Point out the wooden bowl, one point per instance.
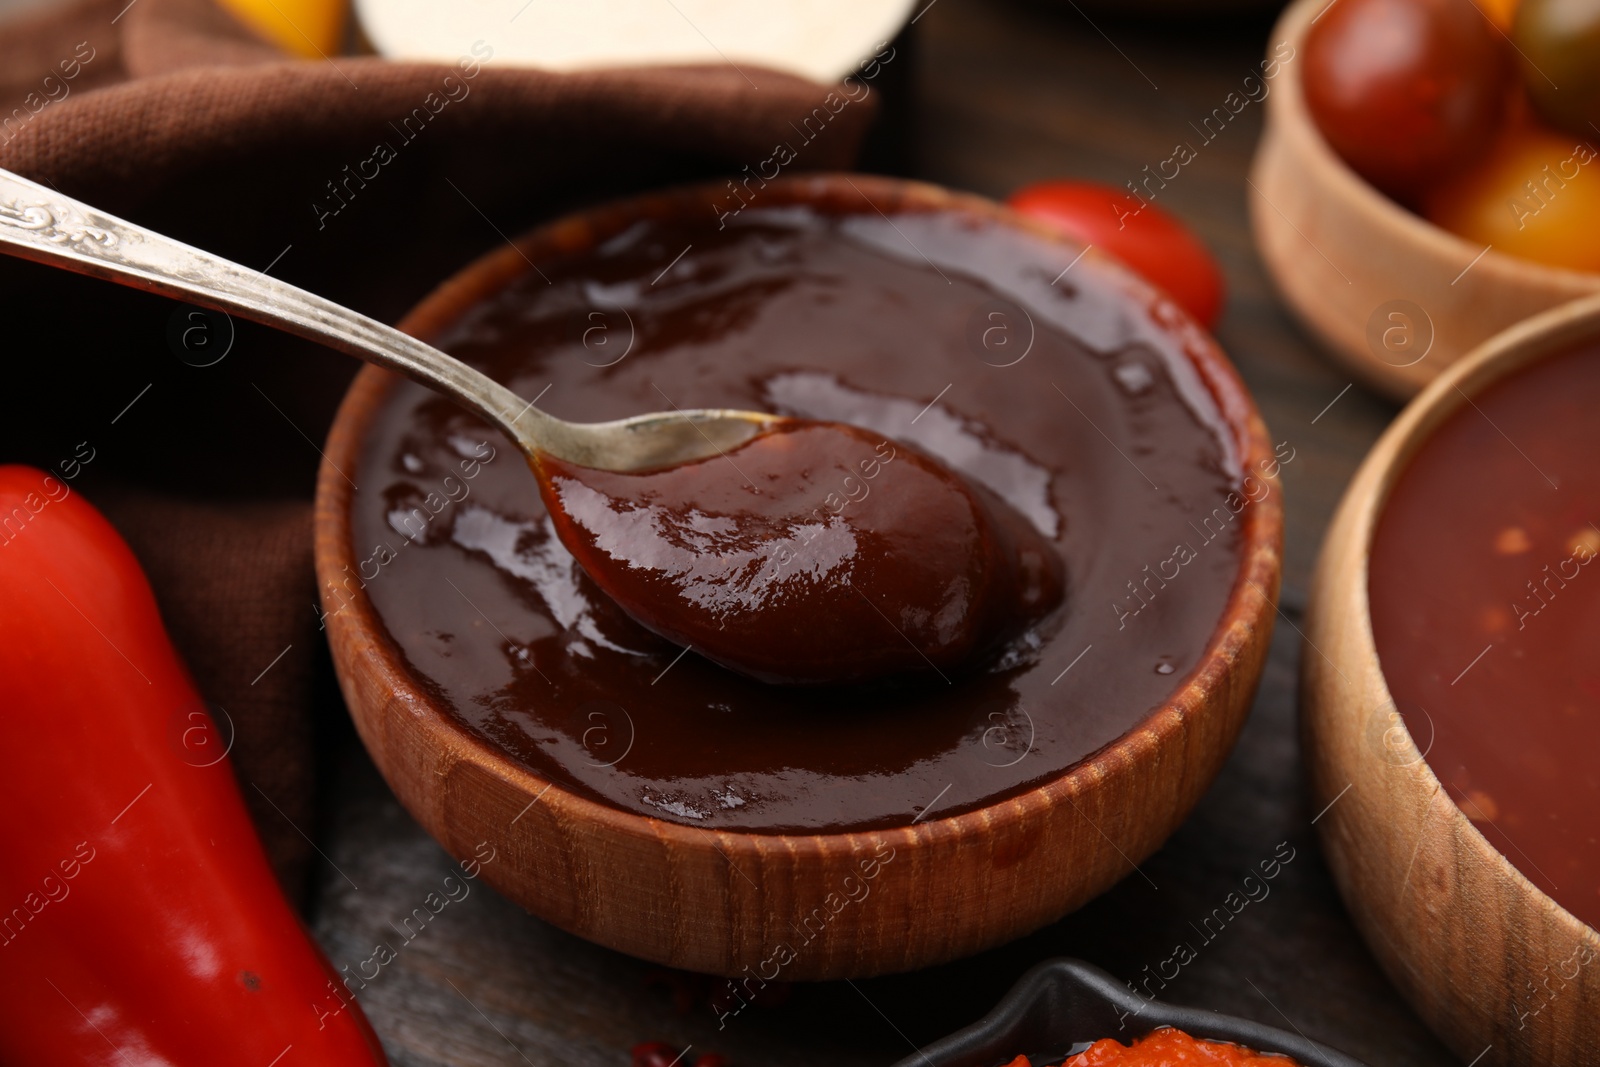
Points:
(721, 902)
(1478, 949)
(1346, 258)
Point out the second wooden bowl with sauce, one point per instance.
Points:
(1449, 685)
(634, 857)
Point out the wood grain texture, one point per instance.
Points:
(737, 903)
(1339, 250)
(1494, 965)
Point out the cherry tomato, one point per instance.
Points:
(1406, 91)
(1146, 238)
(1536, 195)
(313, 29)
(1560, 45)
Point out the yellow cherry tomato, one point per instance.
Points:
(310, 28)
(1535, 195)
(1501, 12)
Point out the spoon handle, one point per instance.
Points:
(41, 224)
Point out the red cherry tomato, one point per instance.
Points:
(1155, 244)
(1406, 91)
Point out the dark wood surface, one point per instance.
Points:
(1005, 93)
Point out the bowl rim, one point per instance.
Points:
(1052, 989)
(1528, 342)
(1251, 602)
(1292, 115)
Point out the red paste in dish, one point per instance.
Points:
(1167, 1047)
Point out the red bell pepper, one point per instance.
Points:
(140, 922)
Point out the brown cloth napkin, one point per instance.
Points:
(170, 113)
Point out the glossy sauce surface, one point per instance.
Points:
(778, 559)
(1059, 394)
(1486, 611)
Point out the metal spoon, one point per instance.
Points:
(42, 225)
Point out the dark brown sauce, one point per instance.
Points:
(815, 554)
(1486, 612)
(1092, 426)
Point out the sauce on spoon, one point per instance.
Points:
(815, 554)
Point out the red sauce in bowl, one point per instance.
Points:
(1485, 608)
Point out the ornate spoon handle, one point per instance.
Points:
(41, 224)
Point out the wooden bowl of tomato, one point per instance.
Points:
(1447, 695)
(1414, 193)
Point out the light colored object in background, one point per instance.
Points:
(818, 39)
(1393, 296)
(1485, 956)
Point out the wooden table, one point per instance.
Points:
(1004, 94)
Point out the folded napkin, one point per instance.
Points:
(363, 180)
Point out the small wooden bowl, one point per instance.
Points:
(1478, 949)
(1345, 256)
(724, 902)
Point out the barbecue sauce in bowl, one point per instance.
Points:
(1096, 518)
(1485, 608)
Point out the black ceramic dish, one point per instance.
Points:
(1062, 1006)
